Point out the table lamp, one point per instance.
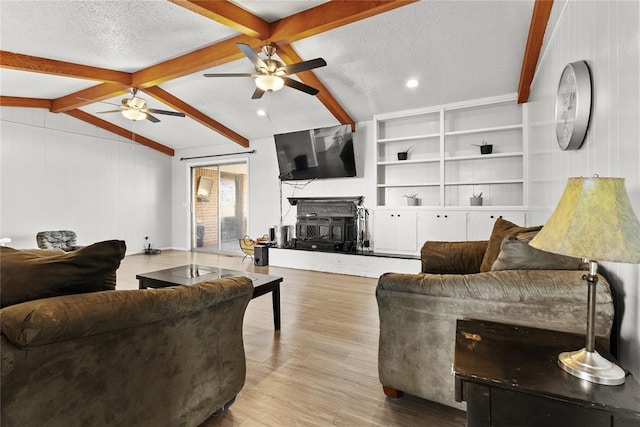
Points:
(594, 220)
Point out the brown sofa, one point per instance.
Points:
(171, 356)
(502, 280)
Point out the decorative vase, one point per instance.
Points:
(475, 201)
(413, 201)
(486, 149)
(403, 155)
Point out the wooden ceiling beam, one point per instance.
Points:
(88, 96)
(290, 56)
(168, 99)
(328, 16)
(125, 133)
(15, 101)
(17, 61)
(230, 15)
(539, 21)
(304, 24)
(199, 60)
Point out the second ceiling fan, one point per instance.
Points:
(272, 74)
(135, 108)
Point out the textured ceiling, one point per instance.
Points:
(457, 50)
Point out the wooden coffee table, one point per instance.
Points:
(192, 274)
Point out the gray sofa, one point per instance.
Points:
(171, 356)
(418, 312)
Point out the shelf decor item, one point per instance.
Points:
(403, 155)
(573, 105)
(476, 200)
(485, 148)
(594, 220)
(412, 200)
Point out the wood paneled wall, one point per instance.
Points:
(605, 34)
(60, 173)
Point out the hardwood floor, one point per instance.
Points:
(320, 369)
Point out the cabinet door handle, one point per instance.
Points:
(392, 215)
(437, 216)
(446, 216)
(491, 216)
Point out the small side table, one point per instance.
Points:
(509, 377)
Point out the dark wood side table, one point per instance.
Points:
(509, 377)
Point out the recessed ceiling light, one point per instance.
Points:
(412, 83)
(261, 113)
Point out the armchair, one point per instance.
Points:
(502, 280)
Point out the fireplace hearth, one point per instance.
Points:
(327, 224)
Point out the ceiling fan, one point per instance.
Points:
(271, 73)
(135, 108)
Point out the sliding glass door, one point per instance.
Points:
(220, 207)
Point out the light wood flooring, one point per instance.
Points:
(320, 369)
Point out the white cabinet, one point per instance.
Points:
(394, 231)
(448, 226)
(481, 222)
(444, 166)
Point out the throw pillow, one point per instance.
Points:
(452, 257)
(516, 254)
(501, 229)
(30, 274)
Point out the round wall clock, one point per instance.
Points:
(573, 105)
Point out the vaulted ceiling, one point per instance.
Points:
(76, 57)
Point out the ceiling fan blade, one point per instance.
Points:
(300, 86)
(253, 57)
(109, 111)
(257, 94)
(304, 66)
(232, 75)
(168, 113)
(152, 119)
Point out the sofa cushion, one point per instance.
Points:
(33, 274)
(452, 257)
(501, 229)
(516, 254)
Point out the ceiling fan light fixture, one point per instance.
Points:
(134, 114)
(269, 83)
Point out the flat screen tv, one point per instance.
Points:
(316, 153)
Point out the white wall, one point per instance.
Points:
(264, 186)
(607, 36)
(58, 172)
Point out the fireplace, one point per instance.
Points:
(328, 224)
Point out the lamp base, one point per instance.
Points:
(590, 366)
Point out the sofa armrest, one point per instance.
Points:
(453, 257)
(48, 320)
(513, 288)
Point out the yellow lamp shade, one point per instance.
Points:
(594, 219)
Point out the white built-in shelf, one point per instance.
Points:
(434, 171)
(410, 184)
(411, 161)
(484, 156)
(483, 130)
(485, 182)
(408, 138)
